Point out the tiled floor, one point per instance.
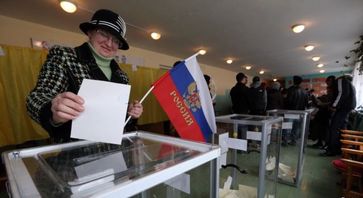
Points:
(319, 177)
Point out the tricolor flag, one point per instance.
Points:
(184, 95)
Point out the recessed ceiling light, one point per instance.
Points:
(202, 52)
(155, 35)
(262, 72)
(229, 61)
(309, 47)
(322, 71)
(320, 65)
(315, 58)
(275, 79)
(68, 6)
(37, 43)
(248, 67)
(298, 28)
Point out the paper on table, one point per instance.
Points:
(105, 110)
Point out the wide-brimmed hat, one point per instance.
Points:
(109, 21)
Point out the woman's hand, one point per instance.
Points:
(66, 106)
(135, 109)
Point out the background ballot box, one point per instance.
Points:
(144, 165)
(295, 128)
(253, 153)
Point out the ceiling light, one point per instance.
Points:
(202, 52)
(275, 79)
(298, 28)
(315, 58)
(309, 47)
(248, 67)
(229, 61)
(262, 72)
(155, 36)
(68, 6)
(37, 43)
(322, 71)
(320, 65)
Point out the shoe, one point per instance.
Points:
(292, 143)
(328, 154)
(317, 145)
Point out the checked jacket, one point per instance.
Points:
(64, 70)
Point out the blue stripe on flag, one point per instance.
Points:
(182, 79)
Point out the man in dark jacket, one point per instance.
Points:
(257, 97)
(344, 103)
(274, 97)
(296, 99)
(239, 95)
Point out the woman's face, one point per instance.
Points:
(104, 43)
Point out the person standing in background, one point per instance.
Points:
(343, 103)
(296, 99)
(239, 95)
(257, 97)
(212, 88)
(274, 97)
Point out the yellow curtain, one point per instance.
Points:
(141, 79)
(19, 69)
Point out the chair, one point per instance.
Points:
(352, 156)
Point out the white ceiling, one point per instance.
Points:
(255, 32)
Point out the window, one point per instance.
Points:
(358, 84)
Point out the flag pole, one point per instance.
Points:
(192, 56)
(142, 100)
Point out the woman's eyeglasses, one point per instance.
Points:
(108, 36)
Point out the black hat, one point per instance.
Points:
(109, 21)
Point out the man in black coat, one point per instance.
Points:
(296, 99)
(344, 103)
(257, 97)
(239, 95)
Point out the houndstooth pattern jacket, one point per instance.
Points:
(64, 70)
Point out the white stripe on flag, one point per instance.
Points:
(205, 98)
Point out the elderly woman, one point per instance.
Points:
(53, 103)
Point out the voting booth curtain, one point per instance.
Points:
(19, 69)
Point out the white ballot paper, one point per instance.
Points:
(105, 106)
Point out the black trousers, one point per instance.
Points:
(338, 121)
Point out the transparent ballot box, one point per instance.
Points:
(253, 153)
(145, 165)
(294, 138)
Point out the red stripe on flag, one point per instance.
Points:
(179, 114)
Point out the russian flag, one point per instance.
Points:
(184, 95)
